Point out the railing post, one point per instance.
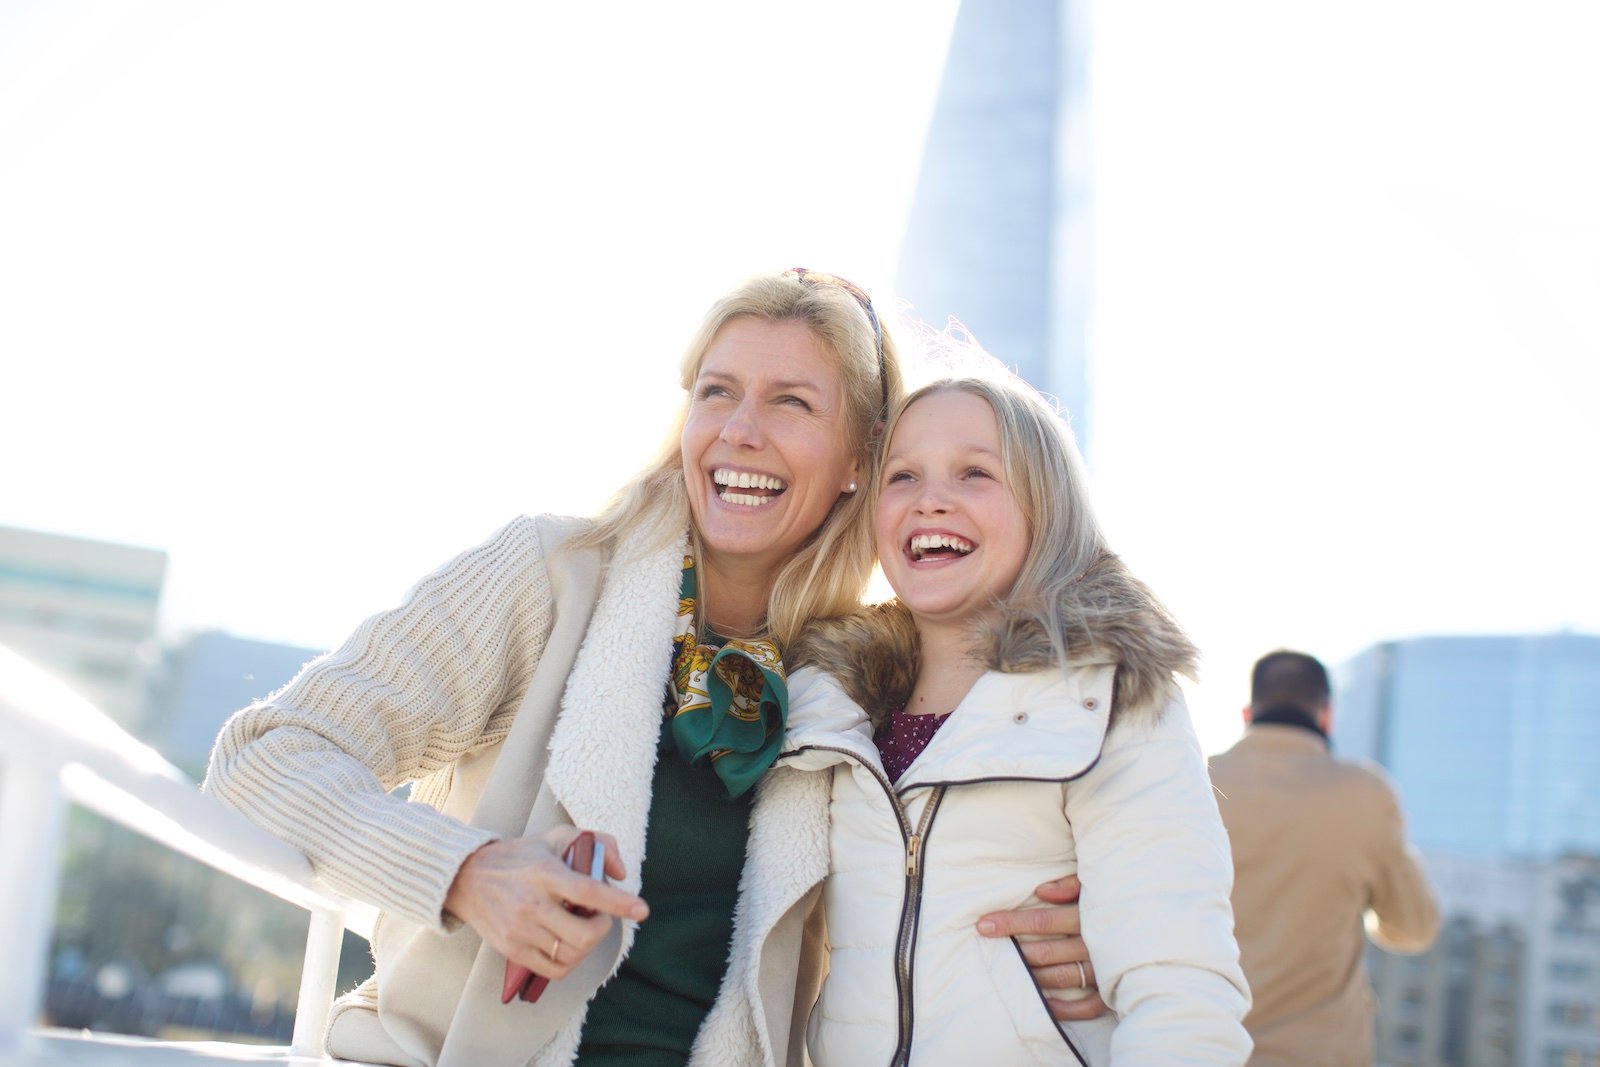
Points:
(317, 980)
(32, 812)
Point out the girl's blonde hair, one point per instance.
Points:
(828, 576)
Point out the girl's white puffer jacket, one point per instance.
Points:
(1023, 783)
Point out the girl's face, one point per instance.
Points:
(950, 535)
(765, 450)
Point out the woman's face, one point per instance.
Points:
(765, 448)
(951, 537)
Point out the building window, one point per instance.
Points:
(1569, 971)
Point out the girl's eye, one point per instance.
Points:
(898, 476)
(978, 472)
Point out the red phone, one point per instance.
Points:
(586, 854)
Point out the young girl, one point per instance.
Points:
(1012, 714)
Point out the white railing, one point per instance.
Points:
(54, 748)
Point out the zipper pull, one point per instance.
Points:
(912, 845)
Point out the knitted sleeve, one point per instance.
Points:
(409, 693)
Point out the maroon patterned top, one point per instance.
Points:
(903, 737)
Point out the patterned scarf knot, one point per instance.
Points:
(728, 702)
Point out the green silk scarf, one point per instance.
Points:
(728, 703)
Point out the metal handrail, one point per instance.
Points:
(56, 748)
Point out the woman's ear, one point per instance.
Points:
(853, 477)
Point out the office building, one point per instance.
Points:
(205, 678)
(1514, 979)
(1494, 742)
(1494, 745)
(84, 610)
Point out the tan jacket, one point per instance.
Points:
(520, 688)
(1317, 842)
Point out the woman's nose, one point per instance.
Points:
(743, 426)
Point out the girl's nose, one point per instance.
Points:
(933, 500)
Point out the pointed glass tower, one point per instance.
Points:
(999, 234)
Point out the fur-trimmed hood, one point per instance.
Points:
(1110, 616)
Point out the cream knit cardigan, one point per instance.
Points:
(518, 687)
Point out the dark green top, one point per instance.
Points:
(648, 1015)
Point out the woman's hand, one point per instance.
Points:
(513, 892)
(1054, 960)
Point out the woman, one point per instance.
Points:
(520, 688)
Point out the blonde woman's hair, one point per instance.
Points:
(828, 575)
(1045, 473)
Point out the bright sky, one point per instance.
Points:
(313, 296)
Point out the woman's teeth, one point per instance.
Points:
(728, 481)
(922, 544)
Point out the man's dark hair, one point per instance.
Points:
(1292, 678)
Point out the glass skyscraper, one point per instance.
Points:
(1494, 742)
(999, 236)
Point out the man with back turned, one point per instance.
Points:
(1318, 844)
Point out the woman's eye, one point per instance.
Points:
(794, 400)
(708, 391)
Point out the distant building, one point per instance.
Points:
(1494, 742)
(998, 234)
(1514, 979)
(84, 610)
(205, 679)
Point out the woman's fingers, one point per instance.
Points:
(514, 893)
(581, 891)
(1055, 921)
(1063, 963)
(1064, 975)
(1090, 1007)
(1068, 948)
(1052, 946)
(1060, 890)
(615, 868)
(1059, 917)
(555, 950)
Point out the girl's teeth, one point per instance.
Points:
(924, 543)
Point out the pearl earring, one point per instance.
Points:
(852, 488)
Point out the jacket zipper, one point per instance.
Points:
(905, 949)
